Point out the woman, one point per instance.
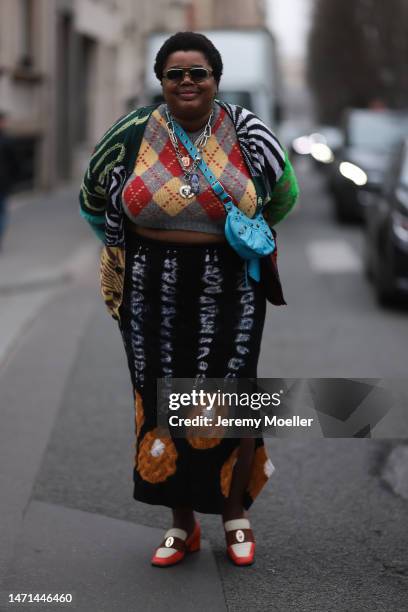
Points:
(185, 307)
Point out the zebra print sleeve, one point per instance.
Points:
(259, 143)
(266, 156)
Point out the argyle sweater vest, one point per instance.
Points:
(151, 196)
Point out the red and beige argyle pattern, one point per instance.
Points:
(151, 195)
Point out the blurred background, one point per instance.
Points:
(330, 77)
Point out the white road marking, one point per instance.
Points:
(332, 256)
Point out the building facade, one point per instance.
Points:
(228, 14)
(68, 68)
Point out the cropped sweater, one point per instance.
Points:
(113, 163)
(151, 196)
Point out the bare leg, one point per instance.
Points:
(183, 518)
(233, 507)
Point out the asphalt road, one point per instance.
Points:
(331, 533)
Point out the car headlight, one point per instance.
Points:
(302, 145)
(353, 173)
(322, 153)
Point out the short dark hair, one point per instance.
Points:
(189, 41)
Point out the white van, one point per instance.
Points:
(250, 76)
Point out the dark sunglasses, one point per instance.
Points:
(195, 73)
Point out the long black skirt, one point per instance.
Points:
(188, 311)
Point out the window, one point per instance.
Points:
(27, 37)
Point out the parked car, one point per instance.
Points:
(386, 231)
(359, 166)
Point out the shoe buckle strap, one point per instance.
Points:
(174, 542)
(238, 536)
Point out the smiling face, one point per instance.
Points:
(185, 98)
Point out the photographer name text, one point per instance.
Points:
(256, 422)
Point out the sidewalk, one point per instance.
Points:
(103, 564)
(46, 246)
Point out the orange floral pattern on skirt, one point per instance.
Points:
(139, 413)
(227, 471)
(209, 440)
(157, 456)
(261, 470)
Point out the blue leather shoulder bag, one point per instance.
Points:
(251, 238)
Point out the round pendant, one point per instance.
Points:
(186, 161)
(185, 191)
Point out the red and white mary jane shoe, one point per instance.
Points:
(240, 541)
(175, 545)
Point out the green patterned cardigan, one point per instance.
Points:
(113, 161)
